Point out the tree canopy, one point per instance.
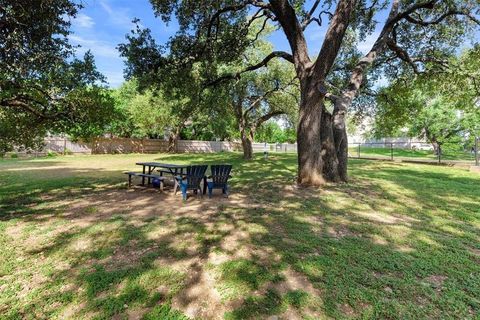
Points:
(413, 36)
(441, 106)
(44, 87)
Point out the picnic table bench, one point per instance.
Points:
(144, 175)
(148, 169)
(185, 176)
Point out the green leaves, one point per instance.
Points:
(440, 106)
(44, 87)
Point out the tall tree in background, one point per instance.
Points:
(260, 95)
(43, 86)
(442, 106)
(140, 115)
(414, 33)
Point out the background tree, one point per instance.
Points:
(218, 31)
(141, 114)
(43, 86)
(273, 132)
(441, 106)
(260, 95)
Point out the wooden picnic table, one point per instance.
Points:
(173, 169)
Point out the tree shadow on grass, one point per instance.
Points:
(362, 278)
(297, 253)
(24, 197)
(115, 271)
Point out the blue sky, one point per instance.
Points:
(103, 24)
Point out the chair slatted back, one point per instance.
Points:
(220, 173)
(195, 175)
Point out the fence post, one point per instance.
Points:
(391, 151)
(64, 146)
(439, 154)
(358, 150)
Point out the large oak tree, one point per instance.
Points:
(44, 87)
(412, 35)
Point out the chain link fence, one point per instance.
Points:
(417, 151)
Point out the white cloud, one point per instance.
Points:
(119, 16)
(106, 7)
(105, 55)
(98, 48)
(83, 21)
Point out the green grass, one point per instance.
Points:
(399, 241)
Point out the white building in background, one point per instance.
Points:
(362, 135)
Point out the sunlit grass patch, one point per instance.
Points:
(398, 241)
(238, 278)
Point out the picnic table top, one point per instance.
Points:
(162, 165)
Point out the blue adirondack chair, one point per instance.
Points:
(218, 179)
(191, 180)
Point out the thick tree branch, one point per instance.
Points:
(380, 44)
(333, 38)
(259, 99)
(267, 117)
(403, 55)
(260, 4)
(309, 17)
(287, 18)
(22, 104)
(263, 63)
(332, 97)
(442, 18)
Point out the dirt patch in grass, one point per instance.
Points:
(475, 251)
(200, 299)
(270, 250)
(294, 280)
(436, 281)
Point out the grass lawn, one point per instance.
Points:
(400, 241)
(409, 153)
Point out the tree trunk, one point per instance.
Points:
(173, 139)
(329, 153)
(327, 147)
(247, 145)
(309, 143)
(437, 148)
(340, 137)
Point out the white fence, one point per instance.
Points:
(128, 145)
(131, 145)
(274, 147)
(60, 145)
(402, 142)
